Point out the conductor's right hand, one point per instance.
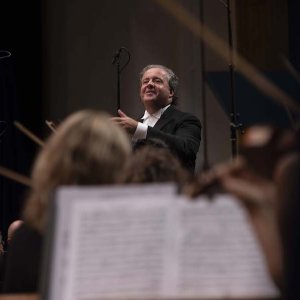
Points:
(125, 122)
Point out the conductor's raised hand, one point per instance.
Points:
(126, 122)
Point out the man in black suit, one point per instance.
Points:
(179, 130)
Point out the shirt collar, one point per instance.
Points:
(156, 115)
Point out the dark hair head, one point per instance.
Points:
(154, 163)
(156, 143)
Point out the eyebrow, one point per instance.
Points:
(155, 77)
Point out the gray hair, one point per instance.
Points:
(172, 78)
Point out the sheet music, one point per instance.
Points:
(219, 249)
(129, 247)
(148, 242)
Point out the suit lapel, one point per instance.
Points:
(165, 118)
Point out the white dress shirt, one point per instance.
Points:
(148, 120)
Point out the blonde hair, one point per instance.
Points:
(87, 149)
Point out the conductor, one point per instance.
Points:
(181, 131)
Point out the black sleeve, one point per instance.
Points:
(184, 139)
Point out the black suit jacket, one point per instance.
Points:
(181, 131)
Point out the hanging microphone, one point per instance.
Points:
(116, 56)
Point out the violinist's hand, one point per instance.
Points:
(125, 122)
(212, 177)
(238, 178)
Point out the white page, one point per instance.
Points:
(93, 260)
(148, 242)
(219, 255)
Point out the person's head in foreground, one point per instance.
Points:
(153, 162)
(87, 149)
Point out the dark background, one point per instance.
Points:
(23, 83)
(20, 95)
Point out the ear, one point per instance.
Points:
(171, 94)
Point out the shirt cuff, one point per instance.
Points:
(140, 132)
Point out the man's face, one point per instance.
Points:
(155, 91)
